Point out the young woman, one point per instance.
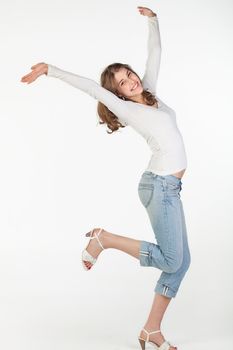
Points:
(124, 99)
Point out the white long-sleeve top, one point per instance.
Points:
(156, 125)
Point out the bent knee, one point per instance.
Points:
(174, 265)
(177, 264)
(173, 268)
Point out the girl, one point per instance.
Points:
(124, 99)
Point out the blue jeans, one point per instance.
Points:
(160, 195)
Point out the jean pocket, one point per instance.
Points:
(145, 192)
(172, 186)
(173, 189)
(172, 182)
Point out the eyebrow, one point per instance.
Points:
(122, 79)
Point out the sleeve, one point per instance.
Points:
(110, 100)
(150, 77)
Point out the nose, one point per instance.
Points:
(132, 83)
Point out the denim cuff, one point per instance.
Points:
(145, 253)
(165, 290)
(145, 259)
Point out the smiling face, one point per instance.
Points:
(128, 84)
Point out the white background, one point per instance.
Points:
(62, 174)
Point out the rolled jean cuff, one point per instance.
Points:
(165, 290)
(145, 253)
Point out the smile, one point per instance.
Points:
(135, 86)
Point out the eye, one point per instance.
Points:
(128, 76)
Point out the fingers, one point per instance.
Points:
(29, 78)
(37, 70)
(141, 8)
(26, 77)
(25, 80)
(145, 11)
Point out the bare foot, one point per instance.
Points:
(156, 338)
(93, 247)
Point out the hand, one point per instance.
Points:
(37, 70)
(145, 11)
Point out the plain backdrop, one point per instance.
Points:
(61, 175)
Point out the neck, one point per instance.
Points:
(138, 98)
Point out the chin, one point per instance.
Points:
(137, 92)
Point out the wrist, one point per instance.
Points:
(46, 68)
(153, 17)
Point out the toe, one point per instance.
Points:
(88, 264)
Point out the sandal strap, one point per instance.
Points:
(165, 346)
(96, 235)
(88, 257)
(148, 334)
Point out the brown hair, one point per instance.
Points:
(107, 80)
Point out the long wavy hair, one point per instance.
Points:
(107, 80)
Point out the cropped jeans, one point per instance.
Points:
(160, 195)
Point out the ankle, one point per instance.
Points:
(150, 327)
(105, 239)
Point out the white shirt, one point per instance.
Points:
(156, 125)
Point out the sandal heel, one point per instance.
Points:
(142, 343)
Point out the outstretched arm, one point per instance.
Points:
(109, 99)
(154, 51)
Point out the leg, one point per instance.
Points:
(165, 220)
(170, 282)
(160, 195)
(109, 240)
(167, 255)
(166, 215)
(161, 301)
(159, 306)
(127, 245)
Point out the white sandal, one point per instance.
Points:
(164, 346)
(85, 255)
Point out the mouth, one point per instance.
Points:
(135, 86)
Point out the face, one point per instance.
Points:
(128, 84)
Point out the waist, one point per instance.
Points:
(179, 174)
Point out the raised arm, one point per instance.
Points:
(110, 100)
(154, 53)
(115, 104)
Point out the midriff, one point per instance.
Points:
(180, 173)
